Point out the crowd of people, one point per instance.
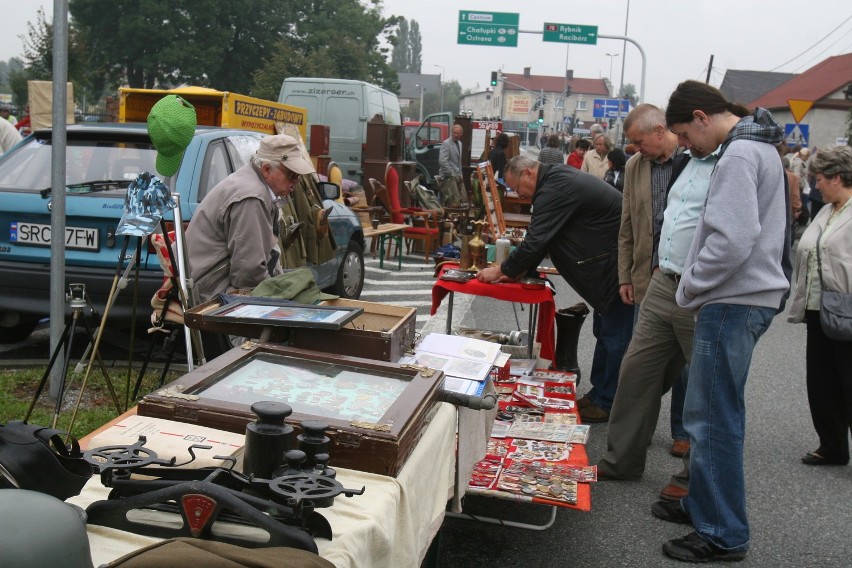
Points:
(682, 244)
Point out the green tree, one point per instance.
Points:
(628, 91)
(7, 68)
(400, 56)
(38, 61)
(164, 43)
(330, 38)
(406, 57)
(415, 47)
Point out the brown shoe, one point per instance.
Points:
(584, 402)
(673, 493)
(679, 448)
(593, 413)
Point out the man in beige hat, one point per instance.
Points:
(232, 240)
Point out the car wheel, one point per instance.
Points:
(350, 275)
(15, 326)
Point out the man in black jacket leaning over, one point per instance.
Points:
(575, 220)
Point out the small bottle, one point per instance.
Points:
(501, 253)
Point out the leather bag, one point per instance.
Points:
(35, 458)
(835, 308)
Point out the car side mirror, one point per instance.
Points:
(329, 190)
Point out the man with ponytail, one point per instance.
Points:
(736, 279)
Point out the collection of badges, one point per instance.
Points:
(532, 439)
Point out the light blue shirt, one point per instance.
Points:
(686, 200)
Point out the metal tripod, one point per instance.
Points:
(77, 301)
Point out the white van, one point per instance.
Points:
(344, 105)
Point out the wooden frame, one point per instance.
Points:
(371, 437)
(282, 313)
(491, 199)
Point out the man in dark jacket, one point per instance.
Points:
(575, 220)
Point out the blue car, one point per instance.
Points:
(101, 161)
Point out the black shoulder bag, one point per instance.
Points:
(35, 458)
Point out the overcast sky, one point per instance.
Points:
(677, 36)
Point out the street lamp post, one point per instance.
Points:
(441, 80)
(422, 88)
(611, 56)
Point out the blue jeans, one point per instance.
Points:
(612, 331)
(714, 416)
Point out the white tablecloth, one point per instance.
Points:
(391, 525)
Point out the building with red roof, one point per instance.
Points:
(828, 85)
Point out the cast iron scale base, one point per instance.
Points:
(283, 506)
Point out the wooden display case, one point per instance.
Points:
(375, 411)
(380, 332)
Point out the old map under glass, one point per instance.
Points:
(318, 388)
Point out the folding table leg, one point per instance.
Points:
(515, 524)
(450, 313)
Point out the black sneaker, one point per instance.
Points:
(670, 511)
(693, 548)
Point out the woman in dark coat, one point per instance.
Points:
(497, 156)
(615, 174)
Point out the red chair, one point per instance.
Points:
(423, 224)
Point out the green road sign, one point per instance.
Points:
(488, 28)
(570, 33)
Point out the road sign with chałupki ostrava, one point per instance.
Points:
(499, 29)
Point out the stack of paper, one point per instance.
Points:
(466, 362)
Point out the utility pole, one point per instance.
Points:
(709, 69)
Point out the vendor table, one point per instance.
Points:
(577, 457)
(542, 311)
(392, 231)
(391, 525)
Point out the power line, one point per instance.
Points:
(815, 57)
(814, 45)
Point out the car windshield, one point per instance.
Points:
(88, 164)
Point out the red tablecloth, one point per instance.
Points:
(508, 292)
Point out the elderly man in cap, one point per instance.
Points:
(232, 239)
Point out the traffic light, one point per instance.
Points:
(494, 78)
(541, 116)
(567, 90)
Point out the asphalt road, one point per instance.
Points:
(799, 515)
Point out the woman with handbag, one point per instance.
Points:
(822, 298)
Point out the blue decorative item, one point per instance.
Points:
(145, 203)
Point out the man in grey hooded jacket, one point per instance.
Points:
(736, 279)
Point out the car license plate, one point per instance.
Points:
(39, 235)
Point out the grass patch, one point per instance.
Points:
(18, 386)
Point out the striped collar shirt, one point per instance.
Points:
(661, 173)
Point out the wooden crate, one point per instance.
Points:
(381, 332)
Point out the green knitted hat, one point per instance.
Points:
(171, 126)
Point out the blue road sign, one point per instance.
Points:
(610, 108)
(796, 134)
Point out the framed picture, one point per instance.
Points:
(283, 313)
(375, 411)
